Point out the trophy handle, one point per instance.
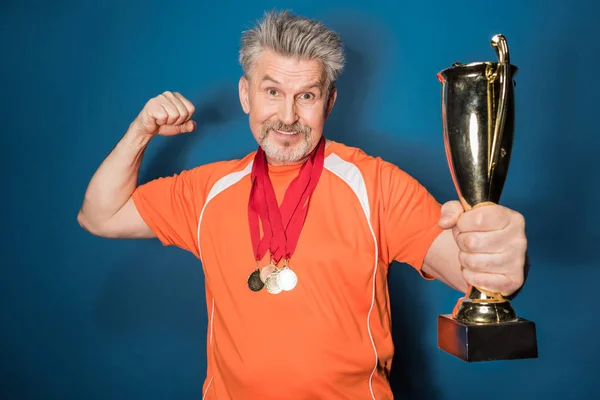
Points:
(501, 47)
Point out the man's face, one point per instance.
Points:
(288, 103)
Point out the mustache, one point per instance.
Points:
(280, 126)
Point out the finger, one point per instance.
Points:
(172, 112)
(450, 214)
(169, 130)
(189, 126)
(483, 219)
(482, 242)
(497, 283)
(188, 104)
(181, 109)
(157, 113)
(483, 262)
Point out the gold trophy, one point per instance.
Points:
(478, 128)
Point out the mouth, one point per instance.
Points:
(285, 133)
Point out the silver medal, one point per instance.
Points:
(286, 279)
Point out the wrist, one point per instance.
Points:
(136, 136)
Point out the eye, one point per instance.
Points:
(307, 96)
(272, 92)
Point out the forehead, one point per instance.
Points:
(288, 70)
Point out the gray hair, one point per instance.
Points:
(293, 36)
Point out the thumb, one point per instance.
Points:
(449, 214)
(170, 130)
(189, 126)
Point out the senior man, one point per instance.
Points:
(296, 238)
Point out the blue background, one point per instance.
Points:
(90, 318)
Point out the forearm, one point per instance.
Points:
(114, 181)
(442, 262)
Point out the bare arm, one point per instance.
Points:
(108, 209)
(441, 262)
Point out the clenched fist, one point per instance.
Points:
(167, 114)
(492, 245)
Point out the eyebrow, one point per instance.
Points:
(268, 78)
(318, 85)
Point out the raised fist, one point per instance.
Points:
(167, 114)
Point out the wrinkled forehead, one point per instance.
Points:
(286, 71)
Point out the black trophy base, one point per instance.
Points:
(504, 341)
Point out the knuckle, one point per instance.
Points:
(161, 115)
(519, 245)
(522, 243)
(173, 116)
(471, 242)
(518, 218)
(157, 111)
(447, 207)
(466, 260)
(479, 219)
(153, 103)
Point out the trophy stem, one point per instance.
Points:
(483, 307)
(480, 306)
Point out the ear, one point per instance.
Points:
(243, 88)
(331, 101)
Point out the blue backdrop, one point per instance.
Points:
(90, 318)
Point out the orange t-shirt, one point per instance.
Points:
(329, 337)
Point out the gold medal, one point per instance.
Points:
(271, 282)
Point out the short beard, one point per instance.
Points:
(285, 154)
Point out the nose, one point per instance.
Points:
(287, 111)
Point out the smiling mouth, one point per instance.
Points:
(286, 133)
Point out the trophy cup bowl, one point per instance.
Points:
(478, 128)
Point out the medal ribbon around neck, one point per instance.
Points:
(281, 226)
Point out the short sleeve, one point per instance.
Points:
(169, 206)
(411, 215)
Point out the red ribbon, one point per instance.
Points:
(281, 226)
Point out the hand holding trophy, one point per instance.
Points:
(478, 130)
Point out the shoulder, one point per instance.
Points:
(197, 182)
(373, 168)
(208, 174)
